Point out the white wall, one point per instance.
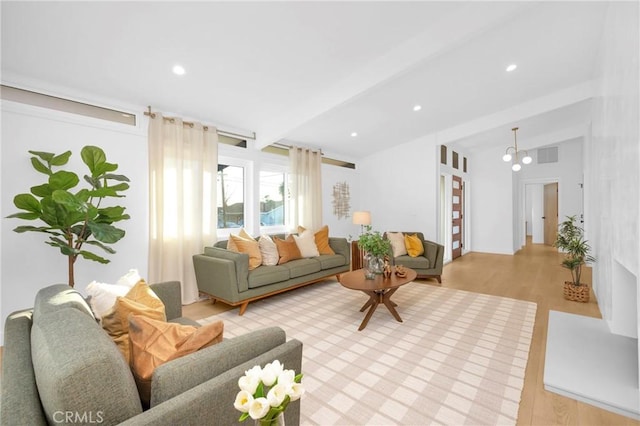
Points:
(492, 221)
(400, 187)
(568, 172)
(331, 175)
(27, 263)
(612, 163)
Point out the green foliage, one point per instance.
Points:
(374, 243)
(570, 240)
(73, 217)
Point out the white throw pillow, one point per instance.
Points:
(103, 296)
(397, 243)
(306, 243)
(268, 250)
(129, 279)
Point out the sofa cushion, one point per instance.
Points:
(287, 249)
(248, 246)
(268, 250)
(78, 369)
(54, 297)
(419, 262)
(266, 275)
(322, 241)
(102, 296)
(300, 267)
(397, 243)
(414, 245)
(328, 261)
(154, 343)
(231, 243)
(306, 243)
(139, 300)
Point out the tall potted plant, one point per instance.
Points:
(74, 218)
(376, 247)
(570, 240)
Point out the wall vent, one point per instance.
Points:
(548, 155)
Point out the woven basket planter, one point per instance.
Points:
(577, 293)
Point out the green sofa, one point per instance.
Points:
(427, 265)
(60, 367)
(224, 275)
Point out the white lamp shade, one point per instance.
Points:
(516, 167)
(506, 157)
(362, 218)
(526, 160)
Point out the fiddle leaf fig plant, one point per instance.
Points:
(74, 218)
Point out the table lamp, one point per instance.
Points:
(362, 218)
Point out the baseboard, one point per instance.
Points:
(586, 362)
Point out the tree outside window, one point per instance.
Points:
(272, 211)
(230, 196)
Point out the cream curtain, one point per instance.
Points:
(183, 164)
(305, 186)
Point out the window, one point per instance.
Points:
(230, 196)
(272, 190)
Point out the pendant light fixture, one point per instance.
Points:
(512, 154)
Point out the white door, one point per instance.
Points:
(537, 211)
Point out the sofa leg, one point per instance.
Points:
(243, 308)
(439, 277)
(213, 300)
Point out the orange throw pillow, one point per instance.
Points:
(250, 247)
(231, 245)
(140, 300)
(287, 249)
(322, 240)
(154, 343)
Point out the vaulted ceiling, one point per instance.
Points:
(313, 73)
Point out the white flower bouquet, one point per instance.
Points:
(266, 392)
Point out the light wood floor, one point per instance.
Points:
(534, 274)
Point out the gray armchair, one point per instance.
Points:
(58, 362)
(427, 265)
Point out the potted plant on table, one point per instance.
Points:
(570, 240)
(376, 247)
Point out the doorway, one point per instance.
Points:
(457, 209)
(550, 213)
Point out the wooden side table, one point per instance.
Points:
(357, 256)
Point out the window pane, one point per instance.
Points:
(230, 196)
(271, 198)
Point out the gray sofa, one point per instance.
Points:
(427, 265)
(224, 275)
(59, 366)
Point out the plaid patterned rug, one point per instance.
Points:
(458, 357)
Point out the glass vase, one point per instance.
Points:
(277, 421)
(373, 265)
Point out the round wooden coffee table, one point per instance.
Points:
(378, 289)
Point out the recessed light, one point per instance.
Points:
(511, 67)
(354, 134)
(417, 107)
(178, 70)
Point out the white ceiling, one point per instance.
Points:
(314, 72)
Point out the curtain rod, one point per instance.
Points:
(285, 146)
(148, 113)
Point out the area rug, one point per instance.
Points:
(457, 358)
